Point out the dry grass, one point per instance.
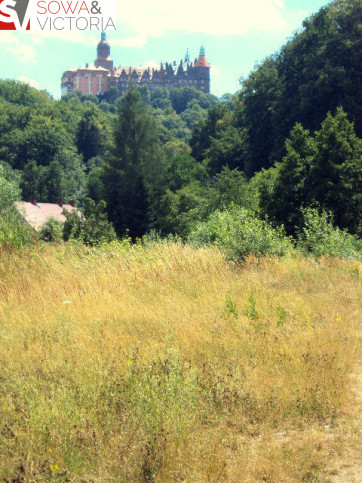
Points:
(168, 364)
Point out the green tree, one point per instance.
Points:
(260, 99)
(91, 227)
(193, 114)
(133, 176)
(230, 187)
(323, 169)
(90, 136)
(335, 176)
(14, 232)
(206, 130)
(318, 236)
(292, 189)
(314, 72)
(229, 148)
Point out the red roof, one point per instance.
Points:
(202, 61)
(37, 214)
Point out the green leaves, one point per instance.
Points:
(92, 228)
(14, 232)
(134, 175)
(319, 237)
(324, 168)
(239, 233)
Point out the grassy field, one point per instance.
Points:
(169, 364)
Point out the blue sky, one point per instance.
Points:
(236, 34)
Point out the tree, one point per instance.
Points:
(316, 71)
(40, 140)
(193, 114)
(323, 169)
(229, 148)
(207, 129)
(292, 189)
(134, 173)
(180, 98)
(230, 187)
(14, 232)
(90, 134)
(92, 227)
(261, 97)
(335, 177)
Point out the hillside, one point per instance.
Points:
(166, 363)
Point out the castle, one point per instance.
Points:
(98, 77)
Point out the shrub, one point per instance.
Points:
(52, 231)
(14, 232)
(320, 237)
(93, 228)
(238, 232)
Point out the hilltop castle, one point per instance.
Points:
(98, 77)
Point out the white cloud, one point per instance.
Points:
(31, 82)
(138, 41)
(22, 51)
(211, 17)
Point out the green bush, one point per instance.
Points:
(320, 237)
(92, 227)
(52, 231)
(14, 232)
(239, 232)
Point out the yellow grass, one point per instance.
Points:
(169, 364)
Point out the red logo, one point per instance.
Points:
(12, 14)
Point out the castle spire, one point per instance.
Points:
(202, 51)
(104, 53)
(187, 56)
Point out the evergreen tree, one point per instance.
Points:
(323, 169)
(132, 177)
(89, 137)
(336, 172)
(292, 190)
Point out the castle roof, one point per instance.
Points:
(129, 71)
(103, 40)
(202, 60)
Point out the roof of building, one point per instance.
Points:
(129, 70)
(90, 67)
(36, 214)
(202, 60)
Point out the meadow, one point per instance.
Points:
(168, 363)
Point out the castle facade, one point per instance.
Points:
(98, 77)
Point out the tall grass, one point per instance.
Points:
(167, 363)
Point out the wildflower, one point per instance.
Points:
(50, 450)
(338, 319)
(54, 467)
(293, 450)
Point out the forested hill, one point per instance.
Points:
(318, 70)
(289, 140)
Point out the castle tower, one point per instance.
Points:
(187, 57)
(202, 72)
(104, 54)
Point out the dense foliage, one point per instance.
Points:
(183, 162)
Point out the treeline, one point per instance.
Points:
(284, 151)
